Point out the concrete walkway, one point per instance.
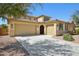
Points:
(45, 45)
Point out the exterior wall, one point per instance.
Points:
(33, 28)
(45, 30)
(11, 30)
(37, 29)
(55, 29)
(71, 27)
(60, 32)
(41, 19)
(25, 28)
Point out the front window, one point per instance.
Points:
(46, 19)
(60, 26)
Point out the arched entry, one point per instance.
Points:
(41, 29)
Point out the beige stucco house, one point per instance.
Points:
(41, 25)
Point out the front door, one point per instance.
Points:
(41, 29)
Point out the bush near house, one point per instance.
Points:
(68, 37)
(77, 30)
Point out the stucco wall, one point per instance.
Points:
(70, 27)
(33, 28)
(41, 19)
(11, 30)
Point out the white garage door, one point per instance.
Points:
(24, 29)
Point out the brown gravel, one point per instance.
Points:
(10, 47)
(76, 37)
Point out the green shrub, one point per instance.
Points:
(77, 30)
(68, 37)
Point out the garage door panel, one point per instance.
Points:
(50, 30)
(24, 29)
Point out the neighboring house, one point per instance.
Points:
(38, 25)
(76, 27)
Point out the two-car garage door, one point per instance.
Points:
(24, 29)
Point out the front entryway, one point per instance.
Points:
(41, 29)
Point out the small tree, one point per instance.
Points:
(4, 26)
(68, 37)
(75, 17)
(15, 10)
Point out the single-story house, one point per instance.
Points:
(31, 25)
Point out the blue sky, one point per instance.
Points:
(3, 21)
(62, 11)
(59, 11)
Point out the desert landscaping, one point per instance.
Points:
(9, 46)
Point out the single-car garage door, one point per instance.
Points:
(24, 29)
(50, 30)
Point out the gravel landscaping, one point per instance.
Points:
(9, 46)
(44, 45)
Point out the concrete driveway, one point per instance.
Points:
(44, 45)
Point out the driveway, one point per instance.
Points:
(44, 45)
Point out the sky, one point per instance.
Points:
(61, 11)
(3, 21)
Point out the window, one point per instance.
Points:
(60, 26)
(66, 27)
(46, 19)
